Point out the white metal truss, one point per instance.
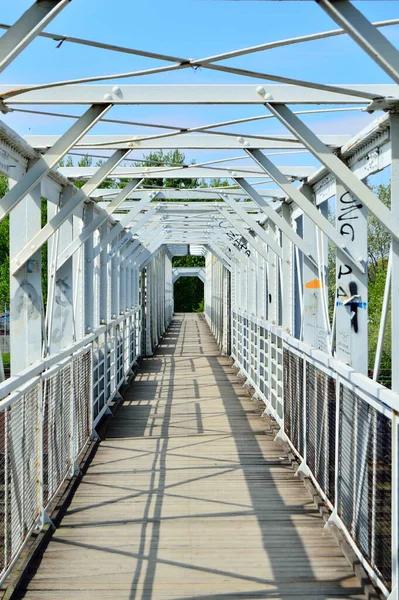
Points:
(299, 337)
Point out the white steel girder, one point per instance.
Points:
(28, 26)
(196, 94)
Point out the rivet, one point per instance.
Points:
(108, 97)
(117, 90)
(261, 90)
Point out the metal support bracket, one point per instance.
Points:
(303, 469)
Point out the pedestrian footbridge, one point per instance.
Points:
(250, 451)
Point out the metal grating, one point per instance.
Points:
(57, 430)
(19, 472)
(365, 479)
(82, 393)
(320, 427)
(293, 398)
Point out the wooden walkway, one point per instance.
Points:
(188, 497)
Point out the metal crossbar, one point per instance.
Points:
(285, 263)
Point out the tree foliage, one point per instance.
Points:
(379, 239)
(379, 242)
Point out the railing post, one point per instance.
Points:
(333, 517)
(44, 518)
(395, 507)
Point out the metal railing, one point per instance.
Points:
(341, 425)
(47, 417)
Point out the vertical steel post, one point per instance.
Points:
(394, 122)
(352, 286)
(26, 299)
(88, 273)
(287, 272)
(61, 325)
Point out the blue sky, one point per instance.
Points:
(193, 29)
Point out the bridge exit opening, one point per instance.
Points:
(188, 283)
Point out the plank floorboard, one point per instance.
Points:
(188, 497)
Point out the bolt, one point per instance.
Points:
(108, 97)
(117, 90)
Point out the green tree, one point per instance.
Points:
(4, 250)
(379, 239)
(159, 158)
(189, 291)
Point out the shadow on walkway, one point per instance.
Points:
(189, 498)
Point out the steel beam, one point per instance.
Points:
(195, 94)
(96, 222)
(261, 233)
(365, 34)
(186, 172)
(311, 286)
(276, 218)
(42, 166)
(337, 167)
(352, 291)
(207, 194)
(185, 141)
(128, 235)
(344, 244)
(256, 245)
(75, 197)
(394, 120)
(28, 26)
(124, 222)
(26, 300)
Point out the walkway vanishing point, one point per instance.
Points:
(189, 497)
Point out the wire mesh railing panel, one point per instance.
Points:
(119, 355)
(293, 398)
(19, 447)
(82, 393)
(57, 430)
(364, 503)
(342, 431)
(99, 375)
(132, 340)
(320, 427)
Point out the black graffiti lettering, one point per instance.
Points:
(341, 293)
(341, 273)
(354, 306)
(351, 200)
(351, 231)
(347, 211)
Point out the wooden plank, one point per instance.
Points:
(189, 497)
